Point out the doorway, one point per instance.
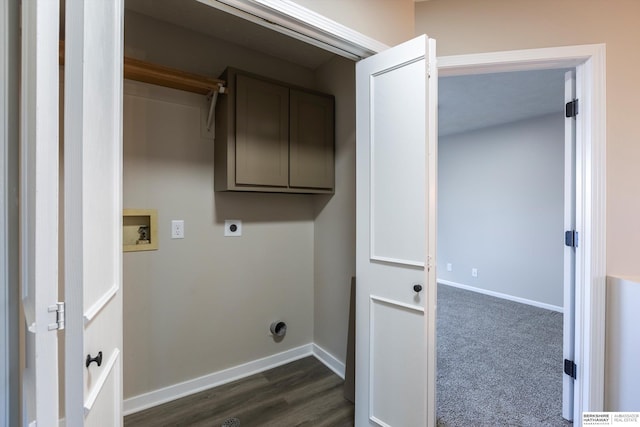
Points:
(590, 182)
(501, 209)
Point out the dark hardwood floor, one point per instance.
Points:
(301, 393)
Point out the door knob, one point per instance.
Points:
(97, 359)
(417, 288)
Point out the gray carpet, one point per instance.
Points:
(499, 362)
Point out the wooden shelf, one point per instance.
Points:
(142, 71)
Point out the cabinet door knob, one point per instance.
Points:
(417, 288)
(97, 359)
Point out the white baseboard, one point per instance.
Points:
(329, 360)
(176, 391)
(503, 296)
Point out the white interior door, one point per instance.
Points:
(396, 98)
(568, 332)
(39, 210)
(93, 212)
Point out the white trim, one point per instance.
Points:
(5, 342)
(589, 61)
(186, 388)
(102, 379)
(176, 391)
(97, 306)
(378, 421)
(298, 22)
(384, 300)
(569, 253)
(406, 262)
(39, 173)
(500, 295)
(329, 360)
(518, 60)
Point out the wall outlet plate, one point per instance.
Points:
(177, 229)
(233, 228)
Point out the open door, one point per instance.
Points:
(571, 241)
(93, 212)
(39, 211)
(396, 98)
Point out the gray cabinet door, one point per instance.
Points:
(262, 133)
(311, 144)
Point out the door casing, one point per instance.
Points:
(589, 62)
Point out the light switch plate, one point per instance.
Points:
(233, 228)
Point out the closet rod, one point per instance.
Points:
(142, 71)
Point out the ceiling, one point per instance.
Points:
(201, 18)
(465, 102)
(473, 102)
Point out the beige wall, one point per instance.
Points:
(173, 46)
(204, 303)
(388, 21)
(469, 26)
(334, 229)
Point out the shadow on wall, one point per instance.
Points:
(262, 207)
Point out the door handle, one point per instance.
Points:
(97, 359)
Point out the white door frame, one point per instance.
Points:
(9, 221)
(589, 61)
(39, 151)
(569, 253)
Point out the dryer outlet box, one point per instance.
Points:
(233, 228)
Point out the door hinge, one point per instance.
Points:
(570, 368)
(571, 109)
(57, 308)
(571, 238)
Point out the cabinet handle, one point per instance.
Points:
(417, 288)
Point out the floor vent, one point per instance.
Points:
(231, 422)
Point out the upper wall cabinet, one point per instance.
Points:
(272, 137)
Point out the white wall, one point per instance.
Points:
(469, 26)
(500, 208)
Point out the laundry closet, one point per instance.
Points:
(198, 309)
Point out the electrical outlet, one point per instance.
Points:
(474, 272)
(177, 229)
(449, 267)
(233, 228)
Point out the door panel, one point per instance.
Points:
(398, 164)
(395, 323)
(39, 209)
(395, 328)
(93, 211)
